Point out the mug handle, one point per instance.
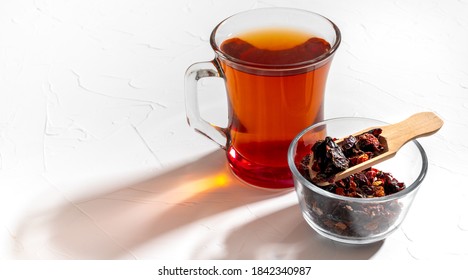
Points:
(193, 74)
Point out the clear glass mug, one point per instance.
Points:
(269, 102)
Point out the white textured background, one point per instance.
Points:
(97, 160)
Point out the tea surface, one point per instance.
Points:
(275, 47)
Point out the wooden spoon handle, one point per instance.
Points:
(417, 125)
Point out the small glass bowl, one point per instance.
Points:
(349, 219)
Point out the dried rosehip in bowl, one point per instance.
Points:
(367, 206)
(329, 157)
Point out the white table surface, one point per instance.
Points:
(97, 160)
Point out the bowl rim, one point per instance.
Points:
(298, 176)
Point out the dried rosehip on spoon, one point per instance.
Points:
(333, 161)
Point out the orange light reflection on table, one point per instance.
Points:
(210, 183)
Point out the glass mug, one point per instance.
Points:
(275, 63)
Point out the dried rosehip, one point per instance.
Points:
(370, 174)
(329, 157)
(367, 142)
(367, 190)
(348, 143)
(361, 179)
(376, 132)
(392, 185)
(379, 191)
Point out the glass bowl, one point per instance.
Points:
(350, 219)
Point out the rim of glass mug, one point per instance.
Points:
(298, 176)
(293, 18)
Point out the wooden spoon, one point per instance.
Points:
(394, 136)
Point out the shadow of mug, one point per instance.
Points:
(113, 225)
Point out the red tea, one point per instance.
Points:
(268, 107)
